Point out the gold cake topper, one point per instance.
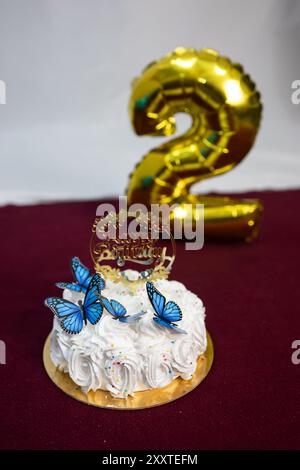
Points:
(124, 239)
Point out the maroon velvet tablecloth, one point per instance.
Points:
(250, 399)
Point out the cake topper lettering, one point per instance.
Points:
(144, 241)
(136, 251)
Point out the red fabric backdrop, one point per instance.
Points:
(250, 400)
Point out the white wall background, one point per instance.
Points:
(68, 64)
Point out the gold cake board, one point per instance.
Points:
(147, 399)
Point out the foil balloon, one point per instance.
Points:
(225, 108)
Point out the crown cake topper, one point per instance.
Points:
(124, 239)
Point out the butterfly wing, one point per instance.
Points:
(94, 313)
(158, 301)
(92, 308)
(93, 291)
(61, 307)
(106, 304)
(73, 324)
(113, 307)
(69, 313)
(80, 272)
(131, 318)
(171, 312)
(168, 325)
(71, 286)
(102, 283)
(119, 309)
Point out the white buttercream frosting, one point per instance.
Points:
(158, 367)
(127, 357)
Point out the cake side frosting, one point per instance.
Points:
(124, 358)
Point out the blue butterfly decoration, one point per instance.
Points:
(118, 311)
(73, 316)
(164, 313)
(82, 276)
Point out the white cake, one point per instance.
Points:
(124, 358)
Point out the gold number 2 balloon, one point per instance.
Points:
(225, 109)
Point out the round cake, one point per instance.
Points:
(124, 358)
